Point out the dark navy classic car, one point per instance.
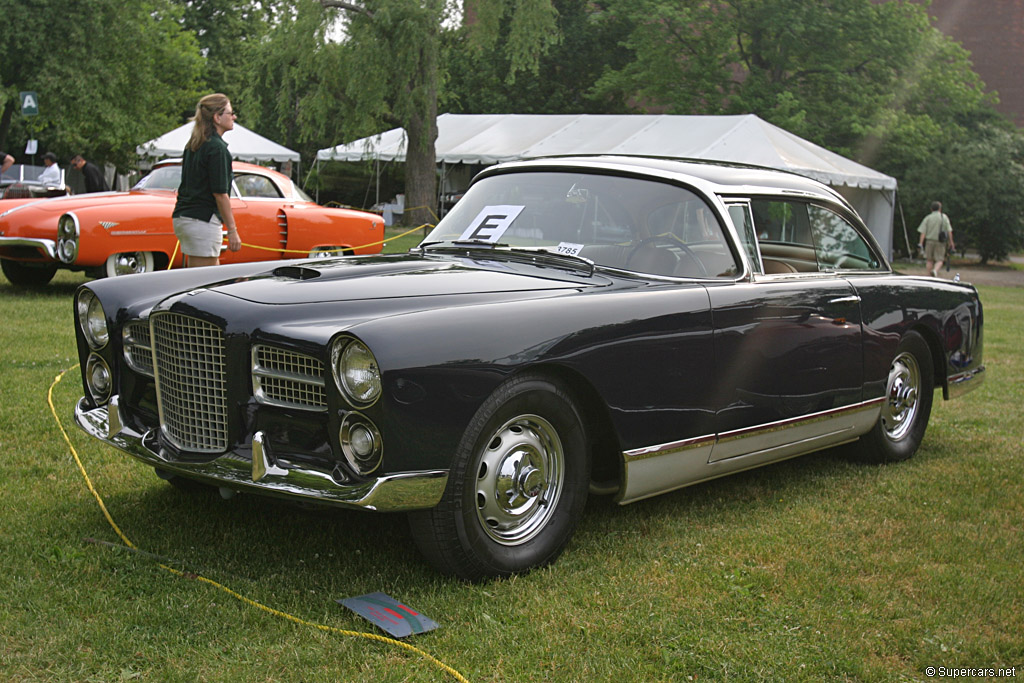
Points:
(609, 326)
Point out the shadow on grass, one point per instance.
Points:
(254, 538)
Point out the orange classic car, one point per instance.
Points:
(118, 233)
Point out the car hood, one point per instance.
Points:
(393, 277)
(82, 201)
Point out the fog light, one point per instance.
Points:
(97, 378)
(361, 443)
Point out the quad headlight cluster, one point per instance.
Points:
(93, 322)
(358, 378)
(67, 238)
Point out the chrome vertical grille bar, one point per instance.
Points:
(188, 359)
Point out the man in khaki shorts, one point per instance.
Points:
(936, 236)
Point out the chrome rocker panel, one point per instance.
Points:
(262, 474)
(667, 467)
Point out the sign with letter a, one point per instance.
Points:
(29, 103)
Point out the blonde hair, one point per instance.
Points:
(208, 107)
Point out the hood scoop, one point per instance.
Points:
(296, 273)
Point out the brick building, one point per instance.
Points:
(993, 32)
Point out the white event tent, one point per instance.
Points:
(243, 144)
(484, 139)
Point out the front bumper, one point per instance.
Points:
(262, 473)
(48, 247)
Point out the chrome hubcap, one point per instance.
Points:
(519, 479)
(902, 397)
(129, 263)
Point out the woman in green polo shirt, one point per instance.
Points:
(203, 197)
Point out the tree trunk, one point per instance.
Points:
(421, 170)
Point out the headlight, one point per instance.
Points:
(67, 238)
(355, 371)
(92, 319)
(97, 378)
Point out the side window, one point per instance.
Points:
(784, 236)
(744, 223)
(837, 244)
(250, 185)
(692, 230)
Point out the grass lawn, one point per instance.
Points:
(813, 569)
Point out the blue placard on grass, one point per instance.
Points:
(383, 610)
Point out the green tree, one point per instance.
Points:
(227, 30)
(482, 80)
(846, 74)
(285, 96)
(390, 71)
(980, 181)
(110, 74)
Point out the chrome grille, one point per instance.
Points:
(190, 377)
(138, 349)
(285, 378)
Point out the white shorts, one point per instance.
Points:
(199, 238)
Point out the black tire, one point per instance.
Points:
(28, 275)
(517, 486)
(908, 405)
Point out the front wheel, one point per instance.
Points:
(28, 274)
(517, 486)
(130, 263)
(907, 406)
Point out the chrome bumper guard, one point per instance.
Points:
(48, 247)
(263, 474)
(961, 383)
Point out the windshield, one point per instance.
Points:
(630, 224)
(163, 178)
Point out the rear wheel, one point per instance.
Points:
(130, 263)
(908, 404)
(517, 486)
(28, 274)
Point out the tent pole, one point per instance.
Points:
(910, 254)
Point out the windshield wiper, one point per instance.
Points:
(571, 260)
(462, 244)
(524, 254)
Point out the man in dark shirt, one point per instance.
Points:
(6, 161)
(94, 180)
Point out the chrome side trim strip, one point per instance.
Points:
(397, 492)
(965, 382)
(666, 467)
(827, 424)
(49, 247)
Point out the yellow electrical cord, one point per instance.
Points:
(170, 263)
(252, 603)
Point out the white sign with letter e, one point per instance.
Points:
(491, 223)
